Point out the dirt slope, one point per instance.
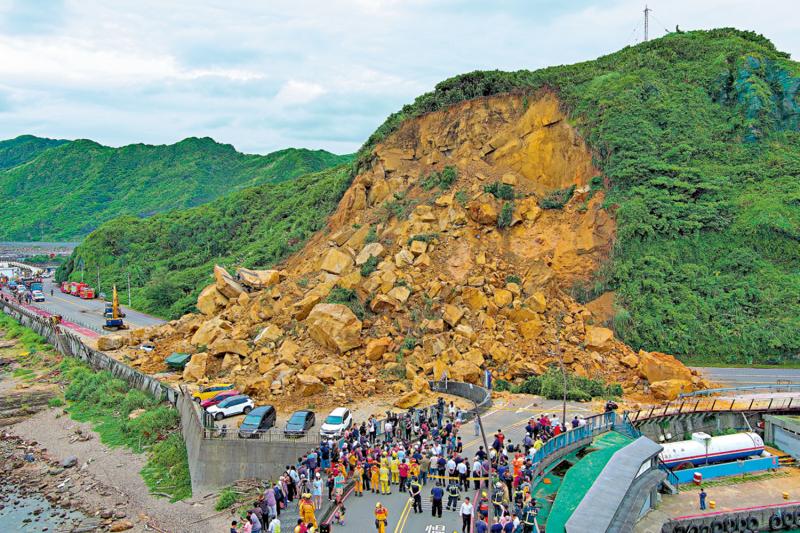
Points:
(451, 291)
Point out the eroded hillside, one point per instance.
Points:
(439, 258)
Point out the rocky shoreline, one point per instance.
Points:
(31, 470)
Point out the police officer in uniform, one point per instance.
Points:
(415, 489)
(497, 499)
(529, 518)
(453, 495)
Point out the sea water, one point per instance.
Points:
(18, 513)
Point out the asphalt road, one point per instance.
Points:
(739, 377)
(87, 312)
(511, 418)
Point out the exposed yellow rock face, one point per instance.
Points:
(448, 292)
(543, 149)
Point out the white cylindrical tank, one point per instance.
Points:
(704, 449)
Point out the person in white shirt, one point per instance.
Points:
(477, 467)
(275, 526)
(466, 516)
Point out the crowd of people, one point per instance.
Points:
(419, 452)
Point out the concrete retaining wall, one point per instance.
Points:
(215, 463)
(752, 519)
(680, 424)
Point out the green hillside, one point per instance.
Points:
(64, 191)
(697, 133)
(170, 256)
(22, 149)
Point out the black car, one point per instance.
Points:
(299, 423)
(258, 420)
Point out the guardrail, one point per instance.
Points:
(262, 435)
(779, 387)
(716, 405)
(595, 425)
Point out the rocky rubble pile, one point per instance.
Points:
(31, 471)
(415, 277)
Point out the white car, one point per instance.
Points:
(235, 405)
(334, 425)
(38, 296)
(147, 347)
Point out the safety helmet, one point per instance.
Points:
(483, 494)
(377, 504)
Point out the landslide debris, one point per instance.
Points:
(446, 254)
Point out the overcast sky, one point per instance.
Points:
(269, 74)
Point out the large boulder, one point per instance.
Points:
(668, 389)
(195, 369)
(474, 298)
(467, 371)
(656, 366)
(602, 308)
(211, 300)
(271, 333)
(336, 261)
(258, 279)
(409, 399)
(209, 331)
(230, 361)
(377, 347)
(309, 385)
(110, 342)
(483, 210)
(452, 314)
(229, 346)
(373, 249)
(334, 326)
(325, 372)
(502, 297)
(599, 339)
(229, 287)
(288, 351)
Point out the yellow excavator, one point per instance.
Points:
(112, 315)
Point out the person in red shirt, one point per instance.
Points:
(402, 470)
(499, 435)
(557, 430)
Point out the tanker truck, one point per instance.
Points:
(704, 449)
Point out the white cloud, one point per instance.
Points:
(313, 73)
(295, 92)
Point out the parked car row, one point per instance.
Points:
(221, 400)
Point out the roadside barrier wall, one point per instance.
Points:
(71, 345)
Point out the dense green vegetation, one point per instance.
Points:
(107, 402)
(22, 149)
(170, 256)
(551, 386)
(697, 136)
(50, 190)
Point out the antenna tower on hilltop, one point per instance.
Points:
(647, 11)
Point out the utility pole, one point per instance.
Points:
(489, 474)
(560, 355)
(647, 11)
(129, 288)
(98, 279)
